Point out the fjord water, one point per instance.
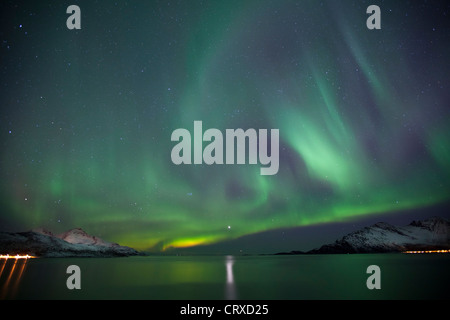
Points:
(403, 276)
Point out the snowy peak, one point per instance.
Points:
(79, 236)
(435, 224)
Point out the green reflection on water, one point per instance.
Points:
(243, 277)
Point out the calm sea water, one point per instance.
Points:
(300, 277)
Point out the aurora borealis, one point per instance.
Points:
(87, 115)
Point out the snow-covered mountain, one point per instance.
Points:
(433, 233)
(79, 236)
(73, 243)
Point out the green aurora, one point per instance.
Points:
(87, 115)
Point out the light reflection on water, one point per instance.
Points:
(11, 271)
(229, 277)
(230, 292)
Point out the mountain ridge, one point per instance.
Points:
(73, 243)
(382, 237)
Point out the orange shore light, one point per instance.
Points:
(17, 256)
(428, 251)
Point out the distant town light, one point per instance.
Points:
(428, 251)
(17, 256)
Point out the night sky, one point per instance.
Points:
(87, 116)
